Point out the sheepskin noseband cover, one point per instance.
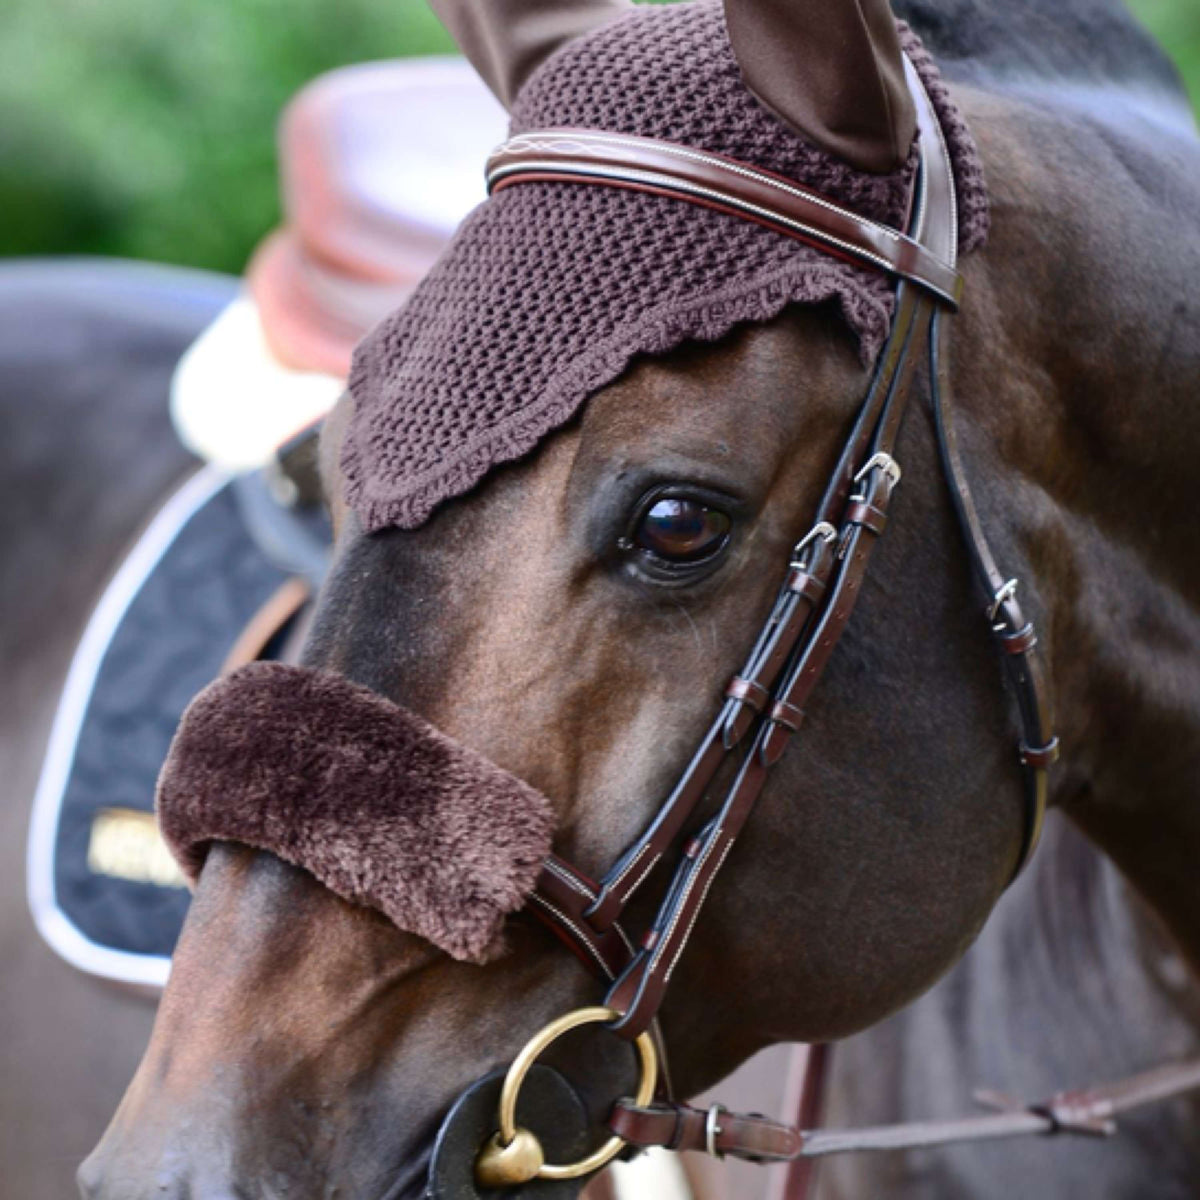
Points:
(377, 804)
(550, 290)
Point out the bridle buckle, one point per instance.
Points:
(712, 1129)
(822, 530)
(1005, 592)
(883, 462)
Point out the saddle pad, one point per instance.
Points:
(104, 891)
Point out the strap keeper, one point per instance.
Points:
(1020, 642)
(1040, 757)
(746, 691)
(787, 715)
(869, 516)
(806, 585)
(677, 1136)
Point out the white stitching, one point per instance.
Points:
(563, 143)
(692, 923)
(637, 883)
(678, 185)
(582, 939)
(627, 868)
(575, 884)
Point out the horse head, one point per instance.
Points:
(572, 618)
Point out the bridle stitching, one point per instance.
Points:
(695, 869)
(696, 914)
(630, 865)
(679, 185)
(708, 160)
(637, 883)
(581, 940)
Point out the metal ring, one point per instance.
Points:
(529, 1055)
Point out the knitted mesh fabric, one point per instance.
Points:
(549, 290)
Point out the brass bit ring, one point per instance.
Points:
(514, 1155)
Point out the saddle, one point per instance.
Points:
(220, 576)
(379, 164)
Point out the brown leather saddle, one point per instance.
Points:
(378, 165)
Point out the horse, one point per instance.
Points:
(87, 349)
(306, 1045)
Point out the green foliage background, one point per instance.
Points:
(146, 127)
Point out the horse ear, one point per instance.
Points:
(833, 70)
(506, 39)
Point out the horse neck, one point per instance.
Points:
(1076, 376)
(1078, 926)
(1071, 983)
(1095, 41)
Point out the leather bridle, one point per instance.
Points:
(764, 703)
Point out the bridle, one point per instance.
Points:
(764, 703)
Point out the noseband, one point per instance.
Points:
(765, 702)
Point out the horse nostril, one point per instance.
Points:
(89, 1178)
(103, 1178)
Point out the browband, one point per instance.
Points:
(714, 181)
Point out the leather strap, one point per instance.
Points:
(1015, 635)
(714, 181)
(1089, 1112)
(639, 992)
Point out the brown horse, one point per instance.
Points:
(307, 1047)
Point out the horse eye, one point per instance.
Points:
(681, 530)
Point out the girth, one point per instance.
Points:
(764, 703)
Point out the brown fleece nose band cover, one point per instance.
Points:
(377, 804)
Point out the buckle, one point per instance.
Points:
(712, 1128)
(822, 530)
(1005, 592)
(884, 462)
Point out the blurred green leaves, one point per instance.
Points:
(1176, 24)
(146, 127)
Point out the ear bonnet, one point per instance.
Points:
(550, 290)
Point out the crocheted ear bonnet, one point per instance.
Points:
(550, 290)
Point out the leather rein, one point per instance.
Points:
(764, 703)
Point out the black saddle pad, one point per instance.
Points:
(104, 891)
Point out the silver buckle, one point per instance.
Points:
(1005, 592)
(885, 462)
(822, 530)
(712, 1128)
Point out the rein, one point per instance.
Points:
(765, 702)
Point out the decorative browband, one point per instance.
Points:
(714, 181)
